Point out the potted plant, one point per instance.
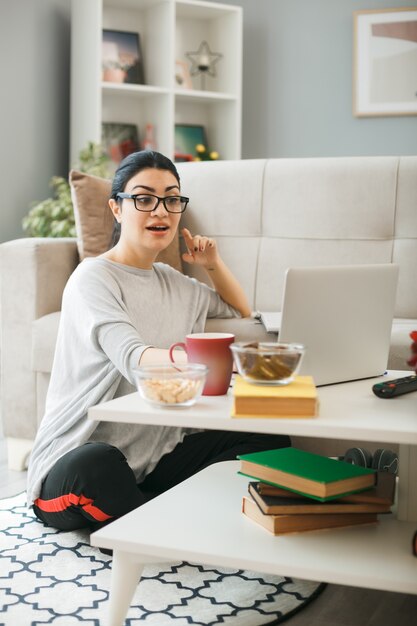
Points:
(54, 217)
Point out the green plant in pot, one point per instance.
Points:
(54, 217)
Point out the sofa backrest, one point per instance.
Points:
(270, 214)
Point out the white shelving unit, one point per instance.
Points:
(168, 29)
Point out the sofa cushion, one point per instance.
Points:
(226, 203)
(343, 213)
(94, 220)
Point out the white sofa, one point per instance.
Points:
(266, 215)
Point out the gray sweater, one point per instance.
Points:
(110, 314)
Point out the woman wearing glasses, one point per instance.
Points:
(119, 310)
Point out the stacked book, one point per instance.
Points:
(297, 491)
(298, 399)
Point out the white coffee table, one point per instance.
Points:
(200, 520)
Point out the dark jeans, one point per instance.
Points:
(93, 484)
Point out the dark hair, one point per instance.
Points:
(132, 165)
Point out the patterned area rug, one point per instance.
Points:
(53, 577)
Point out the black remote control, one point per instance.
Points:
(396, 387)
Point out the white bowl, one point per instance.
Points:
(171, 385)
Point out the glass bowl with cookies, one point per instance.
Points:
(171, 385)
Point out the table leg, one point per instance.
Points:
(407, 484)
(125, 576)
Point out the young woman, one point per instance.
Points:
(120, 310)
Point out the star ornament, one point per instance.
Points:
(203, 60)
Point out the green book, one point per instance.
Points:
(306, 473)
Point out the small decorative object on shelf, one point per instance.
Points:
(191, 144)
(149, 142)
(204, 154)
(187, 137)
(179, 157)
(122, 57)
(203, 62)
(182, 75)
(119, 140)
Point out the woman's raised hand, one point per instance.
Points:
(203, 251)
(200, 250)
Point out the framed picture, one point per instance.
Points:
(182, 75)
(385, 62)
(187, 137)
(122, 60)
(119, 140)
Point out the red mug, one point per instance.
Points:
(213, 350)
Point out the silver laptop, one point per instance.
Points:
(343, 315)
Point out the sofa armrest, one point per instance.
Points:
(33, 274)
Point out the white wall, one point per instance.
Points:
(34, 95)
(297, 92)
(297, 83)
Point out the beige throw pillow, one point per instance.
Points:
(94, 220)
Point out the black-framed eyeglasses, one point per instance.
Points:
(148, 202)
